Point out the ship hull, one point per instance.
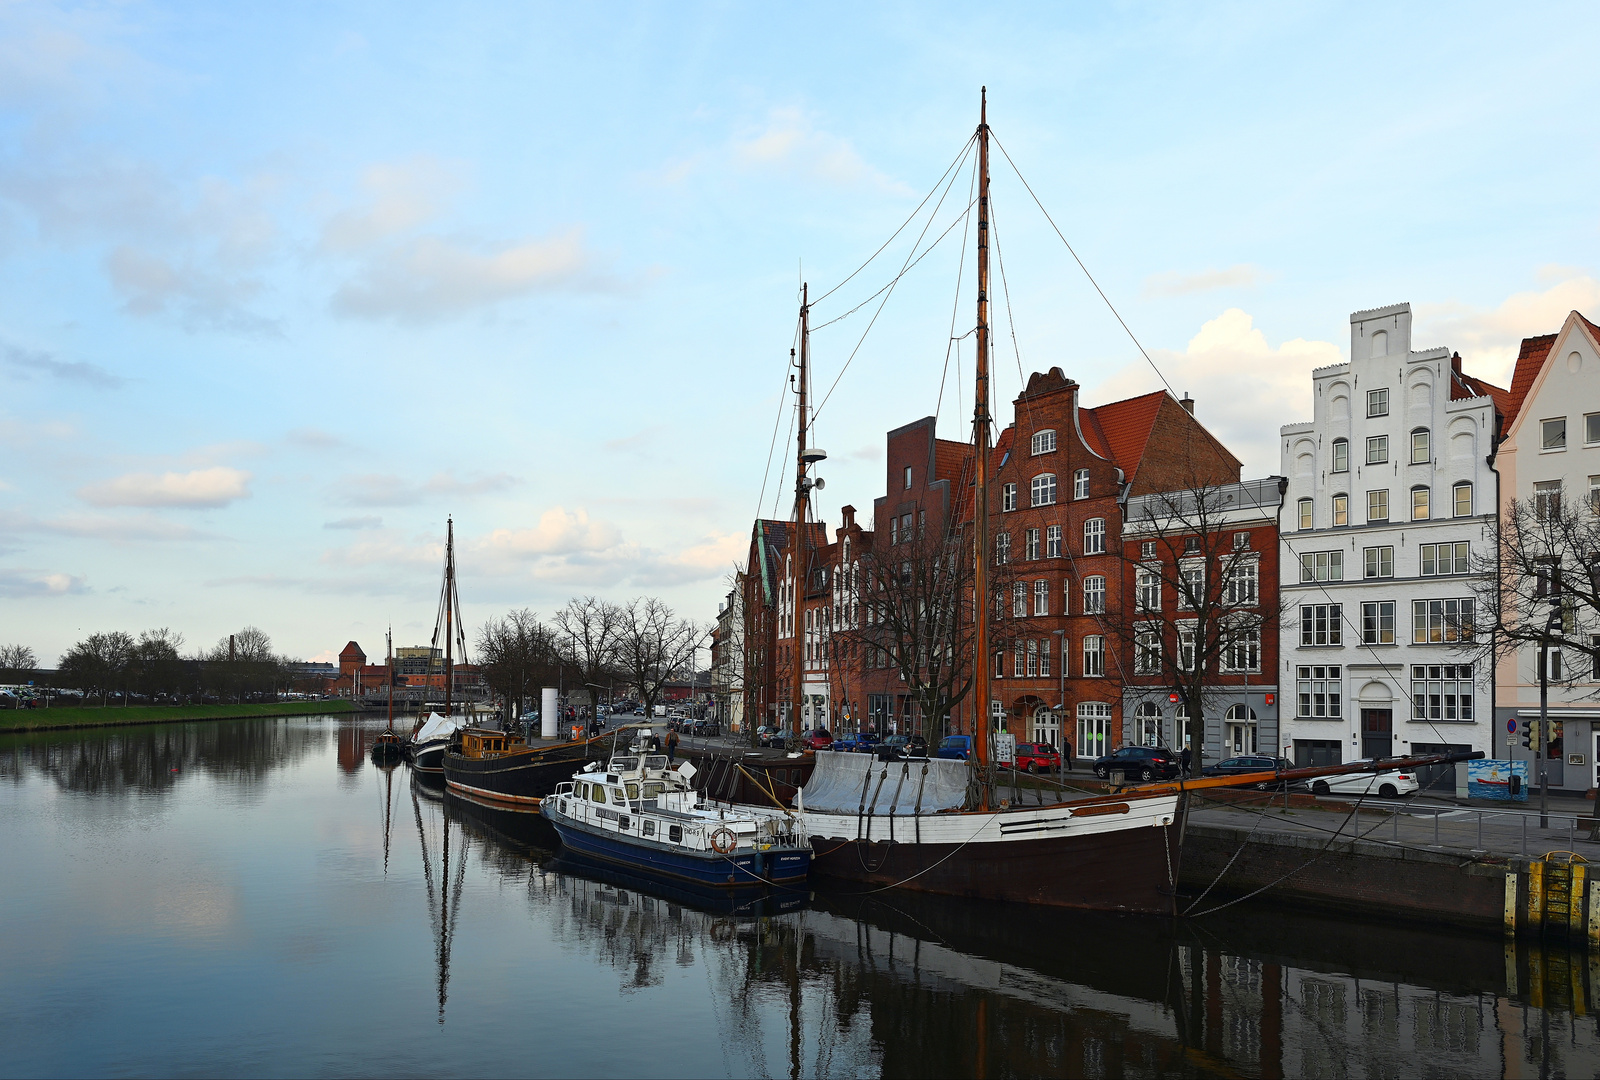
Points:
(428, 757)
(1122, 860)
(738, 870)
(520, 778)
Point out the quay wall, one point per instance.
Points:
(68, 717)
(1494, 894)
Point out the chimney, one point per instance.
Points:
(230, 648)
(1187, 403)
(849, 513)
(1455, 363)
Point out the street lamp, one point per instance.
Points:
(1061, 709)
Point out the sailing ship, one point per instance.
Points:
(937, 826)
(434, 731)
(639, 813)
(389, 748)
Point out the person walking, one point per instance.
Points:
(1066, 753)
(1183, 762)
(672, 745)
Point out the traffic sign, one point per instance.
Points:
(1511, 726)
(1172, 698)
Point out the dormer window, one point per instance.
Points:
(1044, 442)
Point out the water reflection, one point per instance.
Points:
(151, 759)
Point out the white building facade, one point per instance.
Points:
(1551, 449)
(1389, 485)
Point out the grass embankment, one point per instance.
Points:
(80, 716)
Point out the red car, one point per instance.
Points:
(816, 739)
(1037, 757)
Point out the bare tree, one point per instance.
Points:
(587, 632)
(17, 662)
(1198, 610)
(98, 664)
(246, 665)
(158, 662)
(910, 611)
(654, 646)
(518, 654)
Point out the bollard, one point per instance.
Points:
(1436, 828)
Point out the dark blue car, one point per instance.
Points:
(861, 742)
(958, 747)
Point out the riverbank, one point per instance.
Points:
(78, 716)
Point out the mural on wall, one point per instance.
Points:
(1506, 781)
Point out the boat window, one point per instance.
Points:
(649, 828)
(652, 791)
(675, 834)
(618, 797)
(633, 791)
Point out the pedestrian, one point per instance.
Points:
(672, 745)
(1066, 753)
(1183, 762)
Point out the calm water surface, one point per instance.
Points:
(256, 898)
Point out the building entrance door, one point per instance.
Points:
(1377, 733)
(1047, 726)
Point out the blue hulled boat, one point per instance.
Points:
(638, 813)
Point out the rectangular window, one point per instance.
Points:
(1380, 561)
(1066, 596)
(1147, 549)
(894, 530)
(1441, 692)
(1420, 452)
(1341, 456)
(1419, 504)
(1080, 484)
(1463, 500)
(1019, 600)
(1341, 509)
(1553, 434)
(1305, 513)
(1594, 494)
(1242, 650)
(1377, 623)
(1322, 566)
(1377, 403)
(1320, 624)
(1318, 688)
(1441, 622)
(1052, 541)
(1094, 536)
(1243, 584)
(1378, 505)
(1594, 657)
(1094, 656)
(1438, 559)
(1547, 500)
(1043, 489)
(1147, 652)
(1186, 651)
(1041, 598)
(1147, 590)
(1094, 595)
(908, 477)
(1019, 660)
(1044, 658)
(1030, 544)
(1033, 659)
(1191, 585)
(1008, 497)
(1377, 449)
(1241, 541)
(1002, 549)
(1044, 442)
(1591, 428)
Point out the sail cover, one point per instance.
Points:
(436, 727)
(845, 783)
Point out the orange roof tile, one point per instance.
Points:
(1125, 426)
(1529, 360)
(952, 461)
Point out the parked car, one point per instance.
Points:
(902, 748)
(954, 747)
(1139, 762)
(1389, 785)
(816, 739)
(1037, 757)
(767, 735)
(1249, 763)
(855, 742)
(705, 729)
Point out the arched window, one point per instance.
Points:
(1463, 499)
(1341, 455)
(1421, 446)
(1341, 509)
(1240, 731)
(1305, 513)
(1380, 344)
(1044, 442)
(1044, 489)
(1419, 504)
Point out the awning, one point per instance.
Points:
(848, 783)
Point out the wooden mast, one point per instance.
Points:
(389, 649)
(797, 573)
(449, 609)
(981, 674)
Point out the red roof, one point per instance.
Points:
(952, 461)
(352, 651)
(1529, 360)
(1123, 428)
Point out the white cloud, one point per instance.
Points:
(559, 532)
(27, 361)
(1488, 339)
(401, 196)
(789, 141)
(201, 488)
(1240, 276)
(1243, 387)
(387, 489)
(118, 528)
(18, 584)
(202, 292)
(354, 523)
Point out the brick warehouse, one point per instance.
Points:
(1062, 477)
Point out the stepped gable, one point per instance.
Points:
(1529, 360)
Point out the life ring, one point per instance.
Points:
(723, 840)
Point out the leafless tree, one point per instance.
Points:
(587, 635)
(1197, 609)
(17, 662)
(247, 665)
(158, 661)
(654, 646)
(99, 664)
(518, 654)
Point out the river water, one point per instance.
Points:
(257, 898)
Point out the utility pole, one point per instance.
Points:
(980, 441)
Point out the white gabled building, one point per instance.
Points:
(1389, 487)
(1551, 449)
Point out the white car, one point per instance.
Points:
(1389, 785)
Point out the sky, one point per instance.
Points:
(284, 287)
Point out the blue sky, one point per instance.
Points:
(282, 286)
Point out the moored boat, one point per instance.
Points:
(430, 740)
(638, 813)
(497, 765)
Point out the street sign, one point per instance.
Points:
(1271, 698)
(1511, 726)
(1172, 698)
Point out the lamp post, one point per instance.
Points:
(1061, 709)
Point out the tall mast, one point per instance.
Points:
(449, 608)
(797, 573)
(980, 441)
(389, 648)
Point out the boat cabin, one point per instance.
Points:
(486, 742)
